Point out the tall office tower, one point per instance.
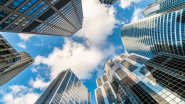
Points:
(158, 33)
(110, 2)
(138, 83)
(66, 88)
(8, 55)
(46, 17)
(169, 71)
(109, 92)
(15, 69)
(159, 6)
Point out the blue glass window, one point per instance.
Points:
(27, 6)
(42, 10)
(36, 7)
(2, 2)
(15, 4)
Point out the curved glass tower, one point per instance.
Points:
(159, 6)
(160, 33)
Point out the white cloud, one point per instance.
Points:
(39, 83)
(22, 45)
(127, 3)
(33, 69)
(19, 95)
(99, 21)
(137, 15)
(38, 60)
(24, 38)
(83, 61)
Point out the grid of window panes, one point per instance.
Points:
(38, 17)
(99, 96)
(169, 63)
(79, 9)
(105, 91)
(164, 33)
(110, 2)
(74, 92)
(69, 12)
(137, 59)
(153, 88)
(109, 93)
(128, 65)
(67, 89)
(162, 6)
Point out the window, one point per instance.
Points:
(27, 6)
(8, 21)
(129, 65)
(2, 47)
(42, 10)
(8, 61)
(16, 23)
(1, 61)
(15, 4)
(2, 2)
(137, 59)
(143, 70)
(23, 25)
(3, 14)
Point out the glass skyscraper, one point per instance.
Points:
(140, 85)
(158, 33)
(45, 17)
(110, 2)
(159, 6)
(66, 88)
(169, 71)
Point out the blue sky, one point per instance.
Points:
(85, 52)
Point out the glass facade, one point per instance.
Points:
(54, 17)
(65, 89)
(110, 2)
(159, 6)
(169, 71)
(150, 84)
(159, 33)
(105, 93)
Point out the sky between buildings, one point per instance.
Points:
(85, 52)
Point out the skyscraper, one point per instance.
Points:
(109, 92)
(45, 17)
(169, 71)
(16, 68)
(66, 88)
(164, 32)
(8, 55)
(159, 6)
(110, 2)
(104, 94)
(140, 86)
